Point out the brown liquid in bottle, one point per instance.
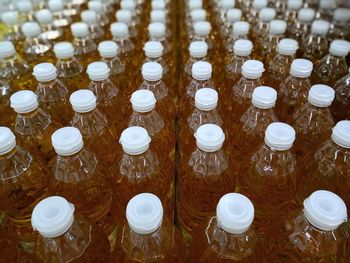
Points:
(340, 107)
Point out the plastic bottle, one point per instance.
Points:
(5, 109)
(261, 30)
(25, 9)
(339, 28)
(79, 178)
(253, 13)
(125, 16)
(198, 51)
(35, 48)
(52, 93)
(138, 170)
(50, 31)
(130, 5)
(96, 31)
(339, 108)
(315, 45)
(9, 246)
(294, 90)
(196, 15)
(153, 52)
(120, 35)
(202, 31)
(69, 68)
(60, 16)
(240, 31)
(197, 198)
(248, 132)
(232, 15)
(326, 9)
(13, 69)
(302, 25)
(85, 48)
(152, 74)
(102, 18)
(11, 20)
(224, 6)
(270, 181)
(24, 182)
(156, 32)
(242, 91)
(66, 236)
(33, 126)
(291, 14)
(333, 66)
(148, 236)
(99, 135)
(279, 66)
(268, 48)
(316, 233)
(229, 236)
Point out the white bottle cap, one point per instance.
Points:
(143, 101)
(241, 28)
(287, 47)
(128, 5)
(7, 49)
(325, 210)
(156, 29)
(83, 101)
(158, 16)
(252, 69)
(234, 213)
(124, 16)
(195, 4)
(144, 213)
(88, 16)
(24, 6)
(242, 47)
(63, 50)
(206, 99)
(321, 95)
(277, 27)
(264, 97)
(53, 216)
(259, 4)
(327, 4)
(44, 16)
(294, 4)
(31, 29)
(320, 27)
(56, 5)
(301, 68)
(98, 71)
(7, 140)
(67, 141)
(24, 101)
(119, 30)
(202, 28)
(201, 70)
(339, 48)
(279, 136)
(341, 134)
(233, 15)
(44, 72)
(152, 71)
(158, 5)
(153, 49)
(267, 14)
(135, 140)
(80, 29)
(97, 6)
(10, 18)
(108, 49)
(306, 14)
(342, 14)
(209, 137)
(198, 49)
(227, 4)
(198, 15)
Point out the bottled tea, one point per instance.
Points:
(261, 30)
(90, 18)
(156, 32)
(340, 106)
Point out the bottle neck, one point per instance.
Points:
(8, 154)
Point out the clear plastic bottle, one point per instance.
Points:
(270, 181)
(294, 90)
(240, 30)
(138, 170)
(61, 19)
(131, 5)
(333, 66)
(340, 24)
(315, 45)
(232, 15)
(50, 31)
(25, 10)
(340, 106)
(69, 68)
(33, 126)
(120, 34)
(207, 166)
(84, 46)
(223, 7)
(279, 66)
(313, 122)
(5, 110)
(148, 236)
(326, 9)
(125, 16)
(198, 51)
(302, 25)
(102, 17)
(66, 236)
(261, 30)
(159, 16)
(229, 236)
(242, 91)
(79, 178)
(11, 20)
(291, 14)
(23, 183)
(196, 15)
(96, 31)
(13, 69)
(156, 32)
(202, 30)
(99, 135)
(52, 93)
(314, 234)
(154, 52)
(253, 13)
(248, 133)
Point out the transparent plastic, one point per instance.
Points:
(37, 49)
(233, 68)
(278, 70)
(268, 47)
(85, 50)
(299, 29)
(8, 115)
(314, 47)
(341, 104)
